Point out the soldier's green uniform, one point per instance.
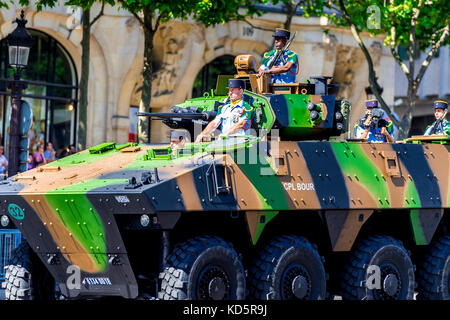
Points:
(288, 56)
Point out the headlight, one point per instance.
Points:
(4, 221)
(145, 220)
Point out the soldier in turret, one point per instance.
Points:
(373, 126)
(235, 116)
(285, 70)
(440, 126)
(178, 139)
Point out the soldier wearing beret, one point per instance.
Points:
(374, 126)
(440, 126)
(287, 67)
(235, 116)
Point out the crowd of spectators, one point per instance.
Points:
(38, 157)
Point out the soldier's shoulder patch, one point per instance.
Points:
(220, 109)
(269, 53)
(247, 106)
(292, 56)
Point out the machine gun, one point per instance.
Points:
(206, 116)
(437, 123)
(280, 53)
(182, 119)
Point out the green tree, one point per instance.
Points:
(418, 25)
(87, 23)
(290, 6)
(151, 14)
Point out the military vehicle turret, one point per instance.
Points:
(290, 212)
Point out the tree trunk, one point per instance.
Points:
(289, 14)
(84, 80)
(405, 124)
(144, 122)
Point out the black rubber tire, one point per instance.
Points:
(193, 261)
(26, 278)
(433, 272)
(279, 263)
(390, 256)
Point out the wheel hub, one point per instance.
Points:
(390, 284)
(295, 283)
(299, 287)
(217, 288)
(213, 284)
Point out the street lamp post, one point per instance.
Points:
(19, 44)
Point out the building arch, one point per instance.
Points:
(52, 92)
(232, 47)
(205, 80)
(129, 96)
(55, 24)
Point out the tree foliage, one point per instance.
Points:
(416, 24)
(290, 7)
(208, 12)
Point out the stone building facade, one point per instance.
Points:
(182, 48)
(435, 85)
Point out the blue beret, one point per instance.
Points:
(236, 83)
(440, 105)
(371, 103)
(282, 33)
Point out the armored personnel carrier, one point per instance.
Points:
(289, 212)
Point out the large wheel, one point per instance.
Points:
(433, 273)
(287, 268)
(26, 278)
(203, 268)
(391, 273)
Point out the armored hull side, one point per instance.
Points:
(68, 210)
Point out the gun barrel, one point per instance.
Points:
(171, 115)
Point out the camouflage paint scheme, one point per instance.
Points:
(66, 209)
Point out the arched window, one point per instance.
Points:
(206, 78)
(52, 93)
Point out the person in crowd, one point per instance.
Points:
(72, 149)
(30, 162)
(38, 157)
(49, 152)
(3, 161)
